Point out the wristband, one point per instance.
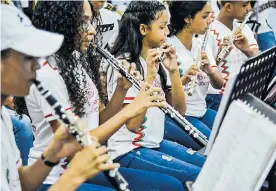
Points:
(48, 163)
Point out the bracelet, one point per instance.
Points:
(48, 163)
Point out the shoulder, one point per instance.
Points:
(5, 115)
(172, 39)
(47, 68)
(176, 43)
(48, 71)
(198, 40)
(108, 16)
(6, 122)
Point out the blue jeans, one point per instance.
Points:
(138, 180)
(170, 158)
(213, 101)
(23, 137)
(141, 180)
(204, 124)
(176, 134)
(83, 187)
(266, 40)
(207, 120)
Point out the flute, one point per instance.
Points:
(225, 50)
(76, 129)
(195, 134)
(192, 83)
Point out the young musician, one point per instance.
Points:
(190, 18)
(108, 23)
(21, 44)
(260, 23)
(71, 74)
(244, 47)
(139, 143)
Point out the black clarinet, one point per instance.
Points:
(72, 123)
(195, 134)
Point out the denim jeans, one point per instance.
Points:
(207, 120)
(170, 158)
(83, 187)
(204, 124)
(138, 180)
(23, 134)
(266, 40)
(213, 101)
(142, 180)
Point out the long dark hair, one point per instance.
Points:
(180, 10)
(130, 39)
(65, 17)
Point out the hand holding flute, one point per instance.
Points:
(168, 57)
(236, 38)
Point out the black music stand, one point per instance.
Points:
(269, 170)
(254, 77)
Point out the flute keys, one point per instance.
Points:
(112, 173)
(123, 186)
(63, 116)
(173, 115)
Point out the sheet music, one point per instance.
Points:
(221, 111)
(246, 143)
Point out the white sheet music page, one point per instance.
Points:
(246, 164)
(245, 143)
(225, 99)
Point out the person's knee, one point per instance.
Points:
(169, 183)
(27, 129)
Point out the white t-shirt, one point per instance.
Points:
(263, 18)
(109, 27)
(151, 131)
(196, 104)
(10, 155)
(41, 113)
(236, 58)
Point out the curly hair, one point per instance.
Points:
(20, 107)
(65, 17)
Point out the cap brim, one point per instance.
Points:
(39, 43)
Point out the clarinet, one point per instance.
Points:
(225, 50)
(192, 83)
(168, 110)
(72, 123)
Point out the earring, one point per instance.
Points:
(186, 27)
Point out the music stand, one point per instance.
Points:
(254, 77)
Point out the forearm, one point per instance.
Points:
(107, 129)
(178, 99)
(31, 177)
(114, 105)
(216, 79)
(135, 123)
(250, 52)
(67, 182)
(150, 79)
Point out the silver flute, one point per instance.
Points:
(76, 129)
(192, 83)
(226, 49)
(195, 134)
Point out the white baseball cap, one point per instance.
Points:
(18, 33)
